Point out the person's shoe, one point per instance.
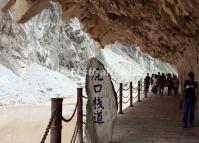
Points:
(192, 125)
(185, 126)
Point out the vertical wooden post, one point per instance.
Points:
(56, 127)
(131, 94)
(145, 87)
(80, 114)
(139, 91)
(120, 102)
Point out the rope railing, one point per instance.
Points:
(126, 96)
(125, 102)
(48, 128)
(140, 90)
(55, 122)
(135, 97)
(126, 89)
(74, 136)
(68, 120)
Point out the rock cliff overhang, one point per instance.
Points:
(167, 29)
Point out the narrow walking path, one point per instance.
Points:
(156, 119)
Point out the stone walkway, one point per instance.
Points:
(156, 119)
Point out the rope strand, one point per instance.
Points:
(68, 120)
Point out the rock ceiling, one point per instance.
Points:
(167, 29)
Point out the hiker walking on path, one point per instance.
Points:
(190, 100)
(162, 83)
(152, 79)
(175, 85)
(155, 85)
(169, 84)
(147, 82)
(159, 78)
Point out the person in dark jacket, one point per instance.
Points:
(190, 100)
(162, 83)
(175, 85)
(169, 84)
(147, 82)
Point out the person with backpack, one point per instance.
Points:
(190, 100)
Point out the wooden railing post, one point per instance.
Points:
(80, 114)
(131, 94)
(139, 91)
(56, 127)
(120, 102)
(145, 87)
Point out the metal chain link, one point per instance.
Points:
(126, 96)
(135, 88)
(135, 97)
(48, 128)
(85, 97)
(126, 101)
(125, 89)
(135, 91)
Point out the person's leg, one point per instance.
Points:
(192, 113)
(159, 89)
(186, 113)
(177, 91)
(147, 87)
(152, 89)
(174, 89)
(162, 90)
(156, 90)
(169, 91)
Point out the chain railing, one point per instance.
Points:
(125, 99)
(55, 122)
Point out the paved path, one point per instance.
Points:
(156, 119)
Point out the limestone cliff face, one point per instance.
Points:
(167, 29)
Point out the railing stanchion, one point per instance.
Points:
(120, 102)
(139, 91)
(145, 88)
(131, 94)
(56, 110)
(80, 114)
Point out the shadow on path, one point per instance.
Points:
(156, 119)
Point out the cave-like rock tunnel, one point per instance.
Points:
(165, 29)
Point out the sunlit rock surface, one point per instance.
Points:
(62, 46)
(167, 29)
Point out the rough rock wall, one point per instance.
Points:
(167, 29)
(45, 39)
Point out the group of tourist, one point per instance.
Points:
(159, 81)
(190, 92)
